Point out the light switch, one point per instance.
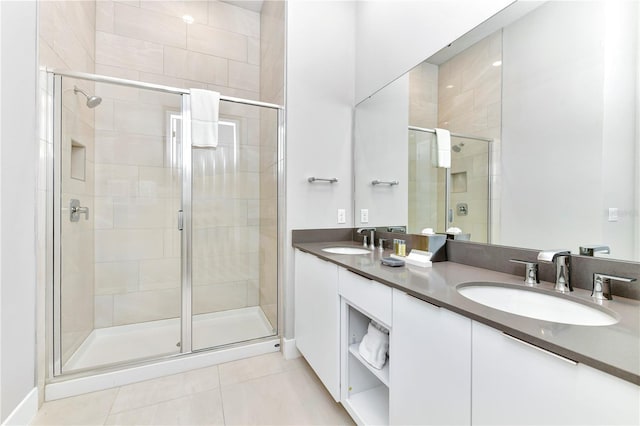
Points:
(613, 214)
(342, 216)
(364, 215)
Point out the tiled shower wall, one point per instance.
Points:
(136, 247)
(149, 41)
(63, 46)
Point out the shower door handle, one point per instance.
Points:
(75, 210)
(180, 220)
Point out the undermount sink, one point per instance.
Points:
(346, 250)
(535, 304)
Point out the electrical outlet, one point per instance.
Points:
(613, 214)
(342, 216)
(364, 215)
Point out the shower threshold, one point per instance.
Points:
(112, 345)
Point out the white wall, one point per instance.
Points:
(17, 202)
(394, 36)
(382, 153)
(320, 98)
(568, 128)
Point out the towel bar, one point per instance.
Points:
(315, 179)
(390, 183)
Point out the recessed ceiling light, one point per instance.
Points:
(449, 86)
(188, 19)
(497, 63)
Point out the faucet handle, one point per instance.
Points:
(602, 285)
(590, 250)
(381, 243)
(531, 271)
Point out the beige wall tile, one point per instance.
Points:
(154, 273)
(145, 24)
(209, 213)
(234, 18)
(114, 148)
(216, 42)
(125, 52)
(139, 118)
(244, 76)
(103, 311)
(253, 51)
(196, 66)
(132, 244)
(159, 182)
(104, 16)
(116, 277)
(197, 9)
(116, 180)
(146, 306)
(209, 270)
(220, 297)
(143, 213)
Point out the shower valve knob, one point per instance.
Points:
(76, 210)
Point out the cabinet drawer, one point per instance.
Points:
(370, 296)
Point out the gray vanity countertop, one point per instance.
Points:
(614, 349)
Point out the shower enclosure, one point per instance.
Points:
(160, 248)
(458, 196)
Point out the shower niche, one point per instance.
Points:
(78, 161)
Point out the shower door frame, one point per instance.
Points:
(183, 219)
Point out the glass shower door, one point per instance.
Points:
(234, 229)
(118, 179)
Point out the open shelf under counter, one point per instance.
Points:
(371, 407)
(382, 374)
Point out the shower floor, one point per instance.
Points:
(156, 338)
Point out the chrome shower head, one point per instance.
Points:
(458, 148)
(92, 101)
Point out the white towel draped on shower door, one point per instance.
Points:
(443, 143)
(205, 107)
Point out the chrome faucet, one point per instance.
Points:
(592, 249)
(602, 285)
(372, 243)
(562, 261)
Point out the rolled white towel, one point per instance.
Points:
(375, 345)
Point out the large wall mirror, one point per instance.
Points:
(543, 105)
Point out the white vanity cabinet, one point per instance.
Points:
(317, 320)
(516, 383)
(431, 371)
(365, 389)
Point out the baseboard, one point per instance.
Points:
(289, 350)
(25, 411)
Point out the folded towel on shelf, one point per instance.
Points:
(205, 106)
(375, 345)
(443, 143)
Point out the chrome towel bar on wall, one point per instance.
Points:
(379, 182)
(315, 179)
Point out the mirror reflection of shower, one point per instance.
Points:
(92, 101)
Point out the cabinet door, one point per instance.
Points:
(317, 318)
(515, 383)
(430, 364)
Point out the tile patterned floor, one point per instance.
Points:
(264, 390)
